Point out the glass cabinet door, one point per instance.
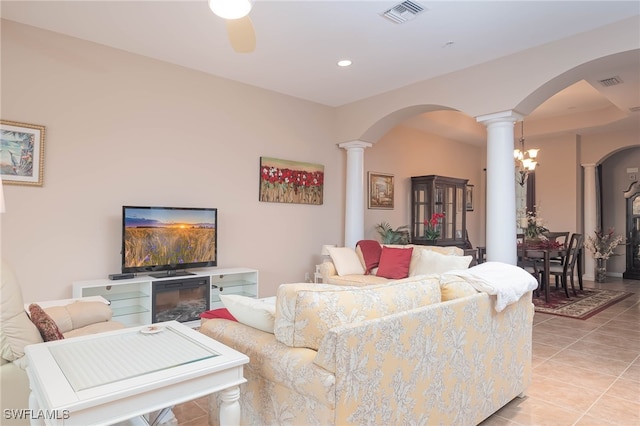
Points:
(460, 207)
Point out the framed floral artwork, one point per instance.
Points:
(286, 181)
(380, 191)
(21, 153)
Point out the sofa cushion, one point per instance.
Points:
(346, 260)
(394, 262)
(454, 287)
(431, 262)
(46, 326)
(16, 329)
(250, 311)
(357, 280)
(305, 312)
(418, 249)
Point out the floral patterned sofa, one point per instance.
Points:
(422, 350)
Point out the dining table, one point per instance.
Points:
(537, 252)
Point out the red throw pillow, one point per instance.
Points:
(218, 313)
(43, 322)
(394, 262)
(371, 250)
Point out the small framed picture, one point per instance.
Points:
(469, 198)
(21, 153)
(380, 191)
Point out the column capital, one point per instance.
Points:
(355, 144)
(588, 165)
(500, 117)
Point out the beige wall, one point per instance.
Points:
(557, 192)
(405, 152)
(127, 130)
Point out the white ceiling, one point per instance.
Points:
(299, 42)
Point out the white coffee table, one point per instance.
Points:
(111, 377)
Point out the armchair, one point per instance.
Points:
(73, 317)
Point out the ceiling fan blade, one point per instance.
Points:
(241, 34)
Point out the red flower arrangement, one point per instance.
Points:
(431, 226)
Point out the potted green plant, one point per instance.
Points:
(388, 235)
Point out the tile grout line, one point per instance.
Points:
(617, 377)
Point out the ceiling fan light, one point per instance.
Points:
(231, 9)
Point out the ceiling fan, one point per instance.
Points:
(239, 26)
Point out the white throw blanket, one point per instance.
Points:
(507, 282)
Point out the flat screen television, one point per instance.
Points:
(169, 239)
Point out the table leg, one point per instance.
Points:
(34, 407)
(546, 276)
(230, 406)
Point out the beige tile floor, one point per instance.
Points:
(585, 372)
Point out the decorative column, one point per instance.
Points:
(590, 219)
(354, 203)
(501, 187)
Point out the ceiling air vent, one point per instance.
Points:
(635, 109)
(611, 81)
(403, 12)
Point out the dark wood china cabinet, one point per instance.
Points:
(439, 194)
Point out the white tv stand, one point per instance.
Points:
(131, 299)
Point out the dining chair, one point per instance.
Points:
(561, 238)
(563, 272)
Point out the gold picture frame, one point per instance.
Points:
(21, 153)
(380, 190)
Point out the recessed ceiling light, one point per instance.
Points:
(344, 63)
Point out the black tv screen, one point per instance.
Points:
(170, 239)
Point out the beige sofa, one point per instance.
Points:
(423, 350)
(434, 261)
(72, 317)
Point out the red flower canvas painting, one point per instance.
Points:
(285, 181)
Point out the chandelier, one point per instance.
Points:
(525, 159)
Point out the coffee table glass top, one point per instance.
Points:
(107, 359)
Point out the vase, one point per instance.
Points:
(428, 242)
(601, 270)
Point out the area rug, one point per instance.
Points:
(589, 302)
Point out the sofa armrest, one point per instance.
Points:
(62, 302)
(327, 270)
(77, 313)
